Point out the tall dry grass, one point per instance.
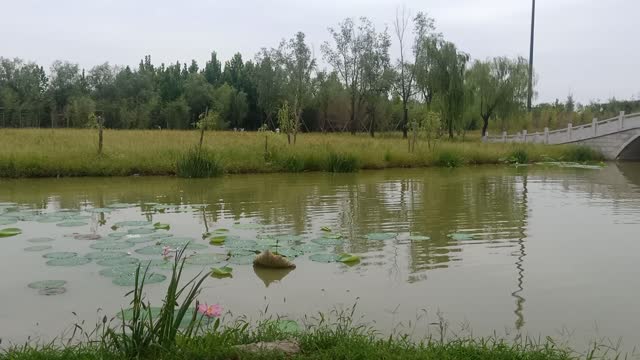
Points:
(74, 152)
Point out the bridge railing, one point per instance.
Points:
(572, 133)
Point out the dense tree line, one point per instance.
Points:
(363, 89)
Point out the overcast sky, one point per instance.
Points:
(585, 47)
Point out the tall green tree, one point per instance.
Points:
(447, 79)
(269, 82)
(345, 57)
(298, 64)
(411, 68)
(213, 70)
(499, 87)
(377, 74)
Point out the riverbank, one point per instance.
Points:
(321, 343)
(73, 152)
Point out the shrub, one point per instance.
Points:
(198, 164)
(291, 163)
(519, 156)
(448, 158)
(582, 154)
(342, 163)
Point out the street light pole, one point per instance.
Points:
(533, 21)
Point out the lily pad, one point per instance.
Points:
(10, 232)
(311, 248)
(326, 229)
(332, 236)
(52, 291)
(79, 217)
(118, 271)
(150, 250)
(288, 252)
(381, 236)
(217, 240)
(241, 244)
(7, 221)
(72, 224)
(47, 284)
(221, 230)
(224, 271)
(130, 280)
(460, 236)
(87, 237)
(348, 258)
(117, 234)
(242, 260)
(38, 248)
(161, 226)
(111, 245)
(247, 226)
(48, 219)
(206, 259)
(119, 261)
(177, 241)
(325, 258)
(327, 241)
(60, 255)
(133, 223)
(241, 252)
(289, 238)
(139, 239)
(157, 249)
(157, 263)
(418, 238)
(71, 261)
(141, 231)
(127, 314)
(162, 235)
(99, 255)
(287, 326)
(40, 240)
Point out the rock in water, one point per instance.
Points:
(270, 260)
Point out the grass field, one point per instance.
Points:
(73, 152)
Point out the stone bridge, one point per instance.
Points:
(615, 138)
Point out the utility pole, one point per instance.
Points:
(533, 22)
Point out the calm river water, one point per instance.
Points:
(530, 250)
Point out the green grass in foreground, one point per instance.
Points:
(318, 344)
(73, 152)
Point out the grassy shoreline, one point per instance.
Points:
(322, 343)
(73, 152)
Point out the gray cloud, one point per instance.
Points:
(586, 47)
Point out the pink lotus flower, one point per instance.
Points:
(214, 310)
(166, 251)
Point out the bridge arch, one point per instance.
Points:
(630, 150)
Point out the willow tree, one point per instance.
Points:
(447, 79)
(499, 87)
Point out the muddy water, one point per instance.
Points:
(538, 250)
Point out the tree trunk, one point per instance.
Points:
(289, 138)
(352, 116)
(405, 122)
(100, 137)
(450, 128)
(485, 125)
(372, 128)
